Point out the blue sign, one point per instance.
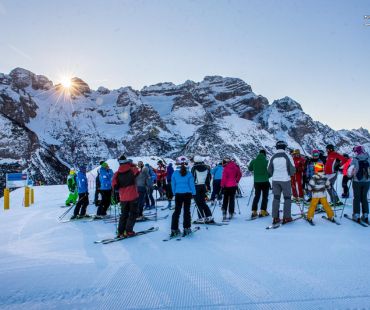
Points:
(16, 180)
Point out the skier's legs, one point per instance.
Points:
(287, 193)
(356, 198)
(312, 208)
(179, 199)
(276, 190)
(294, 185)
(257, 194)
(265, 195)
(332, 193)
(326, 206)
(232, 200)
(125, 209)
(141, 199)
(365, 204)
(187, 215)
(133, 208)
(299, 180)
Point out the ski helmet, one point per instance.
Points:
(72, 171)
(182, 160)
(359, 149)
(296, 152)
(315, 153)
(330, 147)
(197, 159)
(281, 145)
(104, 165)
(319, 167)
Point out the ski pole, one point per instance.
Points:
(65, 213)
(204, 216)
(345, 200)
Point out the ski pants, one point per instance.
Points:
(360, 190)
(161, 184)
(284, 187)
(264, 188)
(127, 219)
(297, 185)
(81, 205)
(345, 185)
(149, 197)
(200, 200)
(229, 200)
(181, 200)
(332, 192)
(216, 190)
(169, 193)
(72, 198)
(105, 202)
(325, 205)
(141, 199)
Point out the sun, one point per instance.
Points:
(66, 82)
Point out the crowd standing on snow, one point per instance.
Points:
(287, 173)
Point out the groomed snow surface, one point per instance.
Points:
(45, 264)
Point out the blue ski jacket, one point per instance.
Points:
(216, 172)
(105, 178)
(182, 184)
(170, 172)
(82, 186)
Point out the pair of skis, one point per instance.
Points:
(360, 222)
(274, 226)
(139, 233)
(180, 237)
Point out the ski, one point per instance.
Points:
(139, 233)
(351, 219)
(145, 219)
(179, 236)
(274, 226)
(255, 217)
(326, 218)
(211, 223)
(82, 219)
(195, 229)
(310, 222)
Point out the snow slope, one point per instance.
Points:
(45, 264)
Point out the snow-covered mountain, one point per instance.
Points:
(44, 129)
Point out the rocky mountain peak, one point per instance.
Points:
(286, 104)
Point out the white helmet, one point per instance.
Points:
(198, 159)
(182, 160)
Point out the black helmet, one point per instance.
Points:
(330, 147)
(281, 145)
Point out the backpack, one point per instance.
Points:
(125, 179)
(363, 170)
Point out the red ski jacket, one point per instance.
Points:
(330, 161)
(299, 163)
(161, 173)
(127, 193)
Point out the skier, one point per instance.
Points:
(261, 183)
(124, 180)
(105, 175)
(161, 179)
(345, 179)
(318, 185)
(360, 171)
(183, 187)
(72, 187)
(202, 180)
(231, 176)
(331, 172)
(169, 193)
(280, 169)
(149, 199)
(216, 174)
(143, 181)
(310, 168)
(83, 194)
(297, 178)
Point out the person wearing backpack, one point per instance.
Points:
(360, 171)
(125, 180)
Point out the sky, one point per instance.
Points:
(316, 52)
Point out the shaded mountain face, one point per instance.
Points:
(46, 128)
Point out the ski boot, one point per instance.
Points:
(276, 220)
(209, 220)
(356, 217)
(231, 215)
(263, 213)
(224, 216)
(175, 233)
(73, 217)
(254, 214)
(129, 234)
(287, 220)
(187, 231)
(365, 219)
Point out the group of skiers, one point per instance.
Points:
(290, 173)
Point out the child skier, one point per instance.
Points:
(72, 187)
(318, 185)
(183, 187)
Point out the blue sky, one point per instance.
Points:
(317, 52)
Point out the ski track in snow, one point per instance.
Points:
(45, 264)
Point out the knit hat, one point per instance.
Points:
(281, 145)
(359, 149)
(330, 147)
(315, 153)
